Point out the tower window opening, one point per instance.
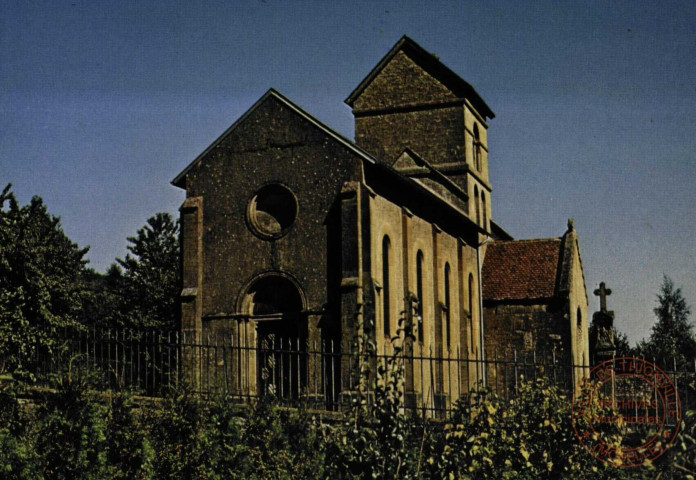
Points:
(477, 148)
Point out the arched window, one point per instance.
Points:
(477, 148)
(478, 208)
(578, 316)
(386, 311)
(419, 293)
(471, 311)
(483, 209)
(447, 305)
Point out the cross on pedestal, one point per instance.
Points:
(602, 292)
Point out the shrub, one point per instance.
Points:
(17, 457)
(70, 433)
(528, 437)
(376, 440)
(176, 432)
(128, 452)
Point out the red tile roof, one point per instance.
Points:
(521, 270)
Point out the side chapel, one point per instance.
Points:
(293, 233)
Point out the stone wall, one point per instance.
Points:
(527, 333)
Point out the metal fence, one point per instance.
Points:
(316, 375)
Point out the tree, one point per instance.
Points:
(623, 349)
(672, 336)
(105, 305)
(149, 283)
(41, 283)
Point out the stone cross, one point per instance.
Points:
(602, 292)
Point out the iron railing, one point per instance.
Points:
(317, 375)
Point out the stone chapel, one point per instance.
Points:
(293, 233)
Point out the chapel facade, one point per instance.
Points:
(293, 233)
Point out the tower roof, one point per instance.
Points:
(431, 64)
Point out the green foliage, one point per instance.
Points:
(104, 307)
(140, 291)
(376, 440)
(128, 452)
(41, 287)
(17, 457)
(70, 436)
(683, 460)
(77, 436)
(148, 287)
(279, 444)
(527, 437)
(623, 349)
(177, 435)
(194, 439)
(672, 337)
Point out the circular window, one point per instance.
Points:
(272, 211)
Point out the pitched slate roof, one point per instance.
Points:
(522, 269)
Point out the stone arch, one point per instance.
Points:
(275, 304)
(272, 293)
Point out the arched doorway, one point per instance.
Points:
(275, 304)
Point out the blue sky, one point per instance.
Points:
(104, 103)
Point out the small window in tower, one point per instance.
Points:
(579, 318)
(483, 209)
(272, 211)
(477, 148)
(478, 207)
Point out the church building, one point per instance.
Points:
(297, 239)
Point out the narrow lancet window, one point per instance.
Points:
(471, 312)
(386, 311)
(448, 308)
(419, 293)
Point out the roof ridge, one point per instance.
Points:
(529, 240)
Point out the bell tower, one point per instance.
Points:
(418, 116)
